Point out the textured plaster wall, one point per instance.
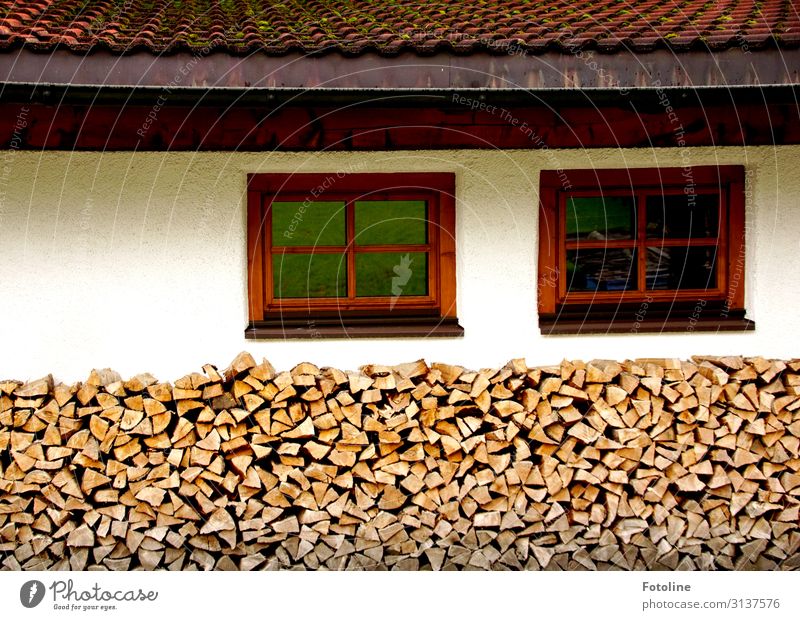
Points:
(137, 261)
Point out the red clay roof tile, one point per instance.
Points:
(389, 28)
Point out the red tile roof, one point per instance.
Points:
(389, 27)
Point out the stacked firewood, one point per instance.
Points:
(646, 464)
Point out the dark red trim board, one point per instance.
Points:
(358, 127)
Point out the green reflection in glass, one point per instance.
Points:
(601, 217)
(309, 275)
(386, 222)
(391, 274)
(308, 223)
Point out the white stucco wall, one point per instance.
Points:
(137, 261)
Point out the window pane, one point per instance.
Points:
(308, 223)
(682, 216)
(681, 268)
(391, 274)
(309, 275)
(601, 270)
(601, 217)
(383, 222)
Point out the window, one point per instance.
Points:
(344, 255)
(653, 249)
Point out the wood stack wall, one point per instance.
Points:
(645, 464)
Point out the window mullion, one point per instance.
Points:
(561, 241)
(641, 242)
(350, 223)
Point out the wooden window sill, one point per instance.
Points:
(344, 327)
(625, 321)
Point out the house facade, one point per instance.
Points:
(129, 150)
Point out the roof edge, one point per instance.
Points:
(582, 69)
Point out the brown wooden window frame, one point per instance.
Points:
(433, 314)
(642, 310)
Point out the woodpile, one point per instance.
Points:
(646, 464)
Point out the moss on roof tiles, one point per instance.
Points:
(380, 26)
